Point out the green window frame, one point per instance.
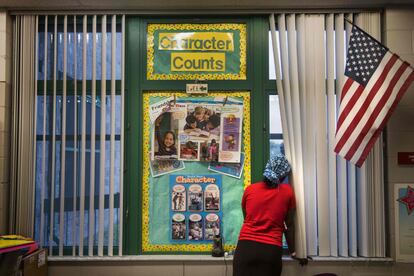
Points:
(257, 83)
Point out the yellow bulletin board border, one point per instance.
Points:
(147, 247)
(199, 27)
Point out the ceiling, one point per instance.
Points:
(180, 6)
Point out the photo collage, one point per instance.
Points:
(194, 131)
(195, 207)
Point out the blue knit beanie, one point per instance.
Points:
(277, 168)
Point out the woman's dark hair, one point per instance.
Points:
(269, 183)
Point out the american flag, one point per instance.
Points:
(375, 81)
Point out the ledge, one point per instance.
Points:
(141, 258)
(352, 259)
(200, 258)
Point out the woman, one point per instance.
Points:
(268, 209)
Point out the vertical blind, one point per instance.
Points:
(79, 134)
(22, 136)
(340, 207)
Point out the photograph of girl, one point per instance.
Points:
(165, 138)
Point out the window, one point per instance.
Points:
(275, 126)
(79, 151)
(80, 101)
(335, 196)
(276, 145)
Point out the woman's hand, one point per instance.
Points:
(302, 261)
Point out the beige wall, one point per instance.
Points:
(5, 107)
(399, 37)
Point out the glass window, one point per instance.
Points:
(71, 149)
(275, 126)
(48, 111)
(272, 69)
(76, 43)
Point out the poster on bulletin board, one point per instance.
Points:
(404, 222)
(196, 51)
(189, 193)
(195, 209)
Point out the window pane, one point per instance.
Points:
(77, 42)
(51, 112)
(274, 115)
(272, 69)
(272, 72)
(276, 147)
(41, 55)
(71, 148)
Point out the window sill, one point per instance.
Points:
(200, 258)
(140, 258)
(351, 259)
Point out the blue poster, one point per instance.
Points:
(195, 208)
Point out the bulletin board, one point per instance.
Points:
(166, 172)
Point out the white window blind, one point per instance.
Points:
(340, 207)
(23, 125)
(79, 134)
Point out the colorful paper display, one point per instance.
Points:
(195, 210)
(157, 199)
(190, 130)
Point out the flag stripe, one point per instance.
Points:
(371, 142)
(347, 85)
(369, 126)
(369, 94)
(377, 75)
(350, 103)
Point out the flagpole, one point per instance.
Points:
(355, 25)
